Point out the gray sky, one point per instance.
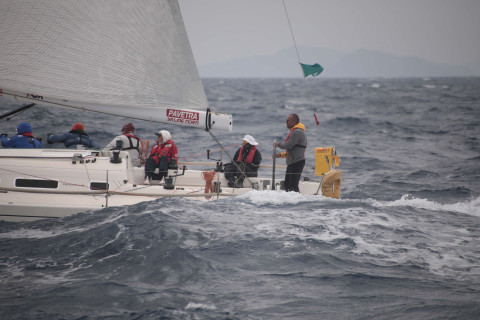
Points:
(443, 31)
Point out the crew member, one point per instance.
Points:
(76, 138)
(23, 139)
(164, 155)
(248, 158)
(295, 145)
(129, 142)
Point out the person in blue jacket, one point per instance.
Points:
(76, 138)
(23, 139)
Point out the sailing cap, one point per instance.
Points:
(250, 140)
(78, 126)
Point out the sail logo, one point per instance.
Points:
(182, 116)
(34, 96)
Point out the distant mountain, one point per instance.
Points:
(358, 64)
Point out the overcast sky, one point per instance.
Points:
(444, 31)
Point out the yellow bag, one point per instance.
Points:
(325, 160)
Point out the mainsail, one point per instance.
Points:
(127, 58)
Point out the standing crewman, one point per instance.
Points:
(295, 145)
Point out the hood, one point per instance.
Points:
(165, 135)
(299, 126)
(24, 127)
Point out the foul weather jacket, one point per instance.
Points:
(166, 149)
(295, 144)
(24, 139)
(74, 138)
(249, 155)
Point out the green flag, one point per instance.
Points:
(313, 70)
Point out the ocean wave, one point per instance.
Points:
(278, 198)
(470, 207)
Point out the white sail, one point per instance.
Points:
(127, 58)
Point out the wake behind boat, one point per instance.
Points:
(133, 60)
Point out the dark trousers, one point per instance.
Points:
(292, 177)
(232, 173)
(151, 165)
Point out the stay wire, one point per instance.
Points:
(293, 37)
(298, 56)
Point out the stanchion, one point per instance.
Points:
(274, 157)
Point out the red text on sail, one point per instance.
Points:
(182, 116)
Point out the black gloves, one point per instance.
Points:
(173, 164)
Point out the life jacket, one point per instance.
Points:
(297, 126)
(163, 150)
(70, 141)
(130, 136)
(31, 138)
(250, 155)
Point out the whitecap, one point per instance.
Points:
(269, 197)
(199, 306)
(467, 207)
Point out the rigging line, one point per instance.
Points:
(229, 156)
(291, 31)
(211, 151)
(298, 56)
(47, 179)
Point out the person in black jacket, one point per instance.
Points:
(248, 158)
(76, 138)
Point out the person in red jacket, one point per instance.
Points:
(163, 156)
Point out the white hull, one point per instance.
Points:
(53, 183)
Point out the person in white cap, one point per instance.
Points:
(248, 158)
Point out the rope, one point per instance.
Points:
(48, 179)
(298, 56)
(230, 157)
(195, 155)
(204, 153)
(291, 31)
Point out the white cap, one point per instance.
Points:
(250, 140)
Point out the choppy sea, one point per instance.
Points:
(403, 242)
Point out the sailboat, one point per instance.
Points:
(120, 58)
